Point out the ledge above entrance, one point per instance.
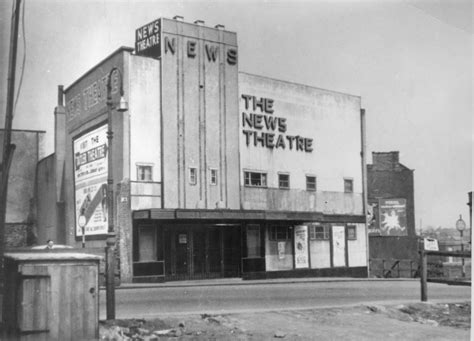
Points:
(200, 214)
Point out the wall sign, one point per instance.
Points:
(301, 247)
(183, 238)
(148, 39)
(90, 181)
(392, 217)
(92, 96)
(262, 129)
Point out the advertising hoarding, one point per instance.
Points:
(392, 217)
(90, 181)
(301, 247)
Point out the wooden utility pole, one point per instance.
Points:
(8, 147)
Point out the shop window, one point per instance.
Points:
(253, 241)
(319, 232)
(310, 183)
(144, 173)
(192, 176)
(213, 176)
(147, 244)
(284, 181)
(280, 233)
(255, 179)
(348, 186)
(351, 232)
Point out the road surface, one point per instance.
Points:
(260, 296)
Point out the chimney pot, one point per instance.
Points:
(199, 22)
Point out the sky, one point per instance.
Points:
(409, 60)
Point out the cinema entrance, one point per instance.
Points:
(179, 251)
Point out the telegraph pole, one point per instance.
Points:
(8, 147)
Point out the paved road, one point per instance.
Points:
(163, 300)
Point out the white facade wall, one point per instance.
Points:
(331, 120)
(145, 130)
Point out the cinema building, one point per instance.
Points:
(216, 172)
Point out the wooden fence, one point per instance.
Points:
(437, 274)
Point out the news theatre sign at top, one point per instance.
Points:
(147, 40)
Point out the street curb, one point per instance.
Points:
(255, 282)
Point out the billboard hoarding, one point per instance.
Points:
(90, 181)
(392, 217)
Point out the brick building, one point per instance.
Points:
(390, 188)
(21, 198)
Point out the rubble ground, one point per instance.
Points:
(416, 321)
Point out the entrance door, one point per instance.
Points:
(231, 236)
(339, 245)
(182, 252)
(214, 250)
(199, 253)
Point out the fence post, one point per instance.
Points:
(423, 276)
(383, 268)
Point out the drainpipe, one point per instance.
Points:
(364, 184)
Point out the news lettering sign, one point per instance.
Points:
(148, 40)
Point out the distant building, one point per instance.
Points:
(20, 228)
(390, 188)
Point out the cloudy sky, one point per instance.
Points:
(409, 60)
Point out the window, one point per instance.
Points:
(348, 186)
(192, 175)
(255, 179)
(284, 181)
(213, 176)
(319, 232)
(144, 173)
(253, 241)
(310, 183)
(351, 232)
(280, 233)
(147, 242)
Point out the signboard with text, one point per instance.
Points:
(148, 40)
(90, 181)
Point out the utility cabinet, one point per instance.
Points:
(51, 295)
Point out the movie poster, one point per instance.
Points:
(90, 181)
(301, 247)
(392, 217)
